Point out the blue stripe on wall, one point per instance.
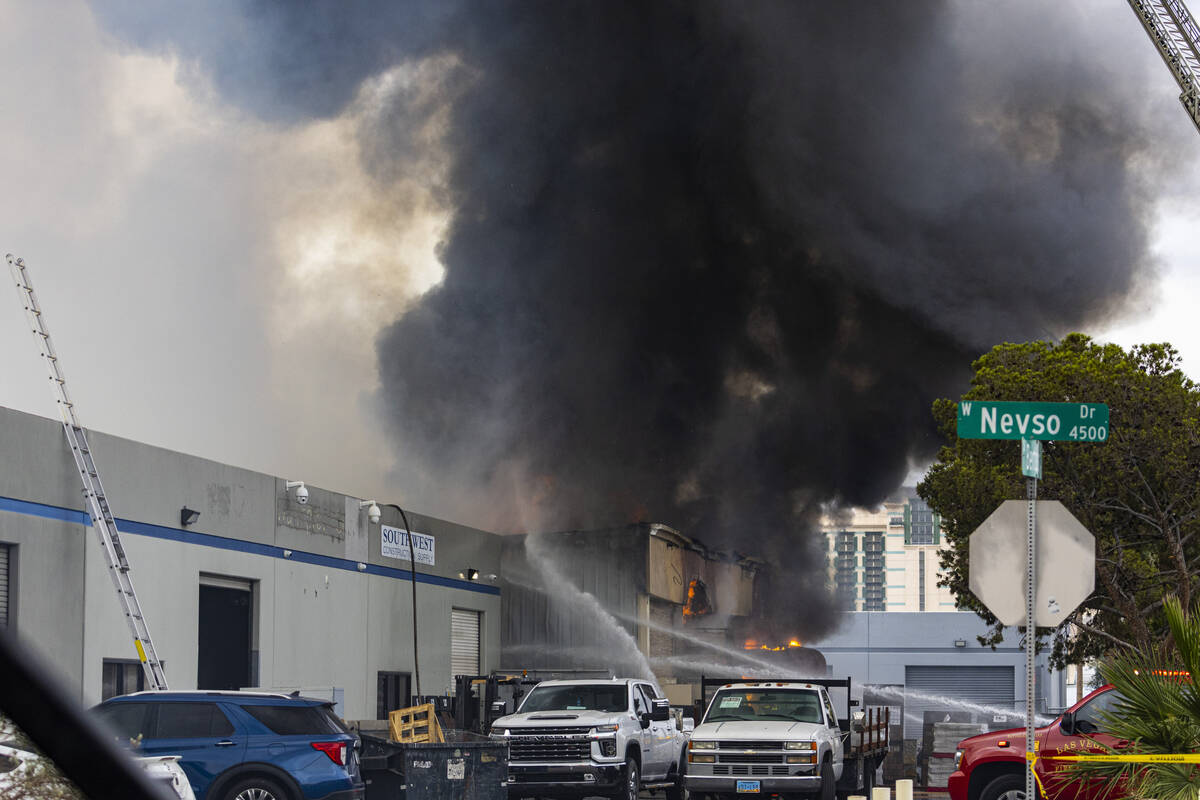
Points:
(237, 545)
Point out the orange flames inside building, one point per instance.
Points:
(751, 644)
(697, 600)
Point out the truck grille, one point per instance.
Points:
(750, 758)
(751, 745)
(747, 769)
(522, 749)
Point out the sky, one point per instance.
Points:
(217, 273)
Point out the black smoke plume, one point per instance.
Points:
(709, 262)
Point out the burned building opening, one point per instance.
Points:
(225, 628)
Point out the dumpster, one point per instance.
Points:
(466, 766)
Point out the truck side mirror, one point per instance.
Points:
(1067, 725)
(644, 719)
(660, 709)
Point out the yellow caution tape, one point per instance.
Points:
(1144, 758)
(141, 653)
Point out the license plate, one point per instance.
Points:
(748, 786)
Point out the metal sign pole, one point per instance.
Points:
(1030, 638)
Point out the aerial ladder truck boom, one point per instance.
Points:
(1173, 30)
(101, 513)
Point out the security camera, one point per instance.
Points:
(373, 512)
(301, 491)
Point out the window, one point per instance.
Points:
(750, 705)
(191, 721)
(124, 720)
(640, 704)
(296, 720)
(7, 551)
(874, 593)
(577, 697)
(921, 524)
(833, 718)
(121, 676)
(921, 580)
(1090, 718)
(844, 563)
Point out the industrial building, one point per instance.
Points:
(666, 603)
(256, 590)
(245, 586)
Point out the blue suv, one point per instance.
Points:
(243, 745)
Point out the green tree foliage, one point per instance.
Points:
(1139, 492)
(1159, 714)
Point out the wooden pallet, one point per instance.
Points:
(414, 724)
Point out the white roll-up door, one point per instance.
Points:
(4, 585)
(464, 642)
(987, 691)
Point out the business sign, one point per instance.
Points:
(394, 544)
(1057, 422)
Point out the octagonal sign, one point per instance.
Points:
(1065, 566)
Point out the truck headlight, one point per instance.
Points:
(799, 745)
(957, 758)
(608, 748)
(605, 729)
(694, 745)
(699, 758)
(809, 758)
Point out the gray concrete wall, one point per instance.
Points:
(875, 647)
(330, 610)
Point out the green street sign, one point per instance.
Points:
(1031, 458)
(1057, 422)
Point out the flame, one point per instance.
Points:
(697, 600)
(751, 644)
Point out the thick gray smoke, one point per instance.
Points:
(709, 263)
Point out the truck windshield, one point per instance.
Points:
(584, 697)
(741, 705)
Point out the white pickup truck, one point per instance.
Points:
(592, 737)
(783, 737)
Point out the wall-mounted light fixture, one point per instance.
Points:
(362, 567)
(301, 491)
(373, 512)
(187, 516)
(960, 642)
(469, 574)
(287, 553)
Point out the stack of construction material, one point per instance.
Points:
(946, 736)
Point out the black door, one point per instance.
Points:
(224, 651)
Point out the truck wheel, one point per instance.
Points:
(631, 781)
(677, 790)
(1010, 786)
(828, 782)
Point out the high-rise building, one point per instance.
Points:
(887, 558)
